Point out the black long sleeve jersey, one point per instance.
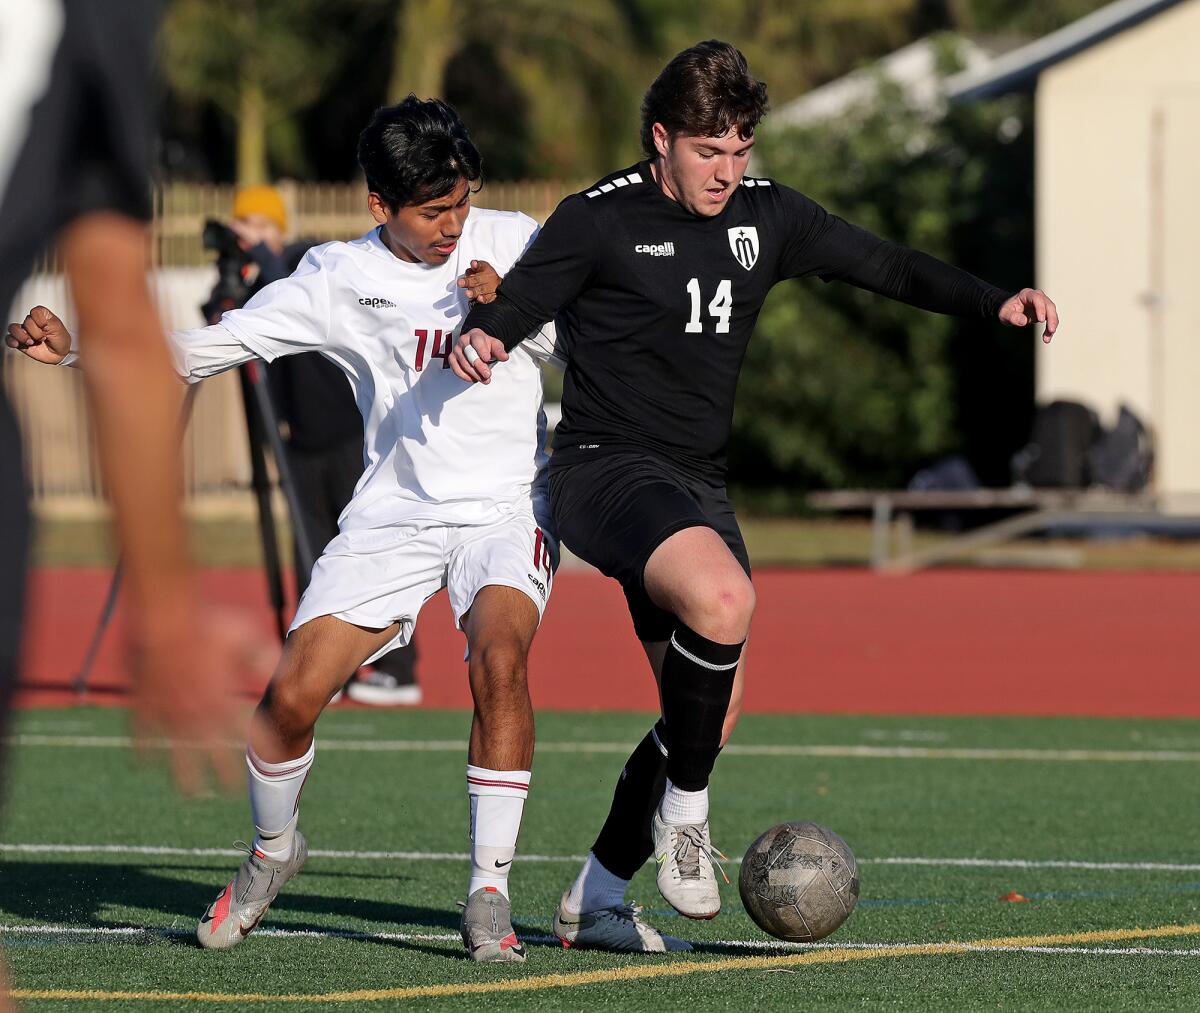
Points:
(656, 305)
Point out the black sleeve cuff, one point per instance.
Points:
(502, 319)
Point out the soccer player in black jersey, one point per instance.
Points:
(656, 276)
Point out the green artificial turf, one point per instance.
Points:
(909, 800)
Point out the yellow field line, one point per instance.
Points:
(630, 973)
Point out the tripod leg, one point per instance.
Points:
(79, 683)
(256, 433)
(270, 418)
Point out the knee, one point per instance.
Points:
(723, 612)
(290, 710)
(499, 671)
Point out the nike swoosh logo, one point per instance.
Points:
(245, 930)
(660, 859)
(501, 865)
(207, 918)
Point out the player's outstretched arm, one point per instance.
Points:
(1028, 306)
(473, 353)
(41, 335)
(195, 354)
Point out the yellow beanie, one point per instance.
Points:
(261, 200)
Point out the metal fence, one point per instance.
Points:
(59, 448)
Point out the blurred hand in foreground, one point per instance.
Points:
(191, 665)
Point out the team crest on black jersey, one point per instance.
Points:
(743, 241)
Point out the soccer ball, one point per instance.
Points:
(799, 881)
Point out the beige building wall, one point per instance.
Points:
(1118, 215)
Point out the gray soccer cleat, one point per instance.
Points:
(241, 905)
(619, 929)
(686, 878)
(486, 928)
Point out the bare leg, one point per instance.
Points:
(500, 628)
(317, 660)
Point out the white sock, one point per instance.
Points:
(275, 800)
(679, 806)
(595, 888)
(497, 802)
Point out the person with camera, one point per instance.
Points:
(315, 410)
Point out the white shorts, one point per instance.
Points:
(380, 576)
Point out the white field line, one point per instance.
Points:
(369, 856)
(454, 856)
(67, 932)
(847, 751)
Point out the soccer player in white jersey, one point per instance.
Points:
(446, 500)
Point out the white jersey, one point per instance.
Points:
(437, 449)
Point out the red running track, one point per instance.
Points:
(943, 642)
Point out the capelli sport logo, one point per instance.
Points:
(376, 303)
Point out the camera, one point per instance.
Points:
(233, 268)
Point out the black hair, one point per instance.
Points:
(417, 151)
(705, 91)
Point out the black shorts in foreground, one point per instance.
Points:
(613, 511)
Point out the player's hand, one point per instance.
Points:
(1029, 305)
(191, 664)
(41, 336)
(481, 282)
(474, 365)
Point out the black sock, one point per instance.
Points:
(697, 684)
(625, 840)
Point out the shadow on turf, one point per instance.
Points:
(74, 893)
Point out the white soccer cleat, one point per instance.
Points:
(382, 689)
(619, 929)
(686, 878)
(241, 905)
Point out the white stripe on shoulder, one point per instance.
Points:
(615, 184)
(747, 181)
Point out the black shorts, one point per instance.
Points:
(615, 510)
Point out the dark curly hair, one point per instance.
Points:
(704, 91)
(417, 151)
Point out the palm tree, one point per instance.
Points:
(258, 61)
(571, 62)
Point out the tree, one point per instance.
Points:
(793, 45)
(570, 63)
(259, 62)
(843, 388)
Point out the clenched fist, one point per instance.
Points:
(41, 336)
